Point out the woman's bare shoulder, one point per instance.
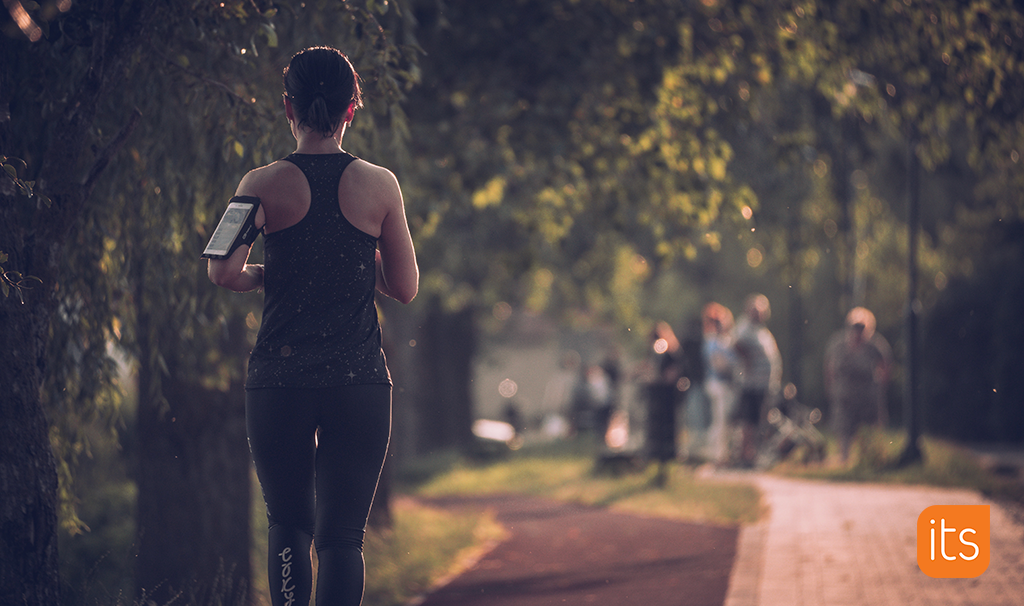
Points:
(370, 178)
(266, 180)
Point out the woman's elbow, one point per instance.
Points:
(406, 292)
(408, 296)
(399, 280)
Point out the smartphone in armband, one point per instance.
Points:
(236, 227)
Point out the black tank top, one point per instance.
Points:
(319, 325)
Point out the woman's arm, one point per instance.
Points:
(234, 273)
(397, 272)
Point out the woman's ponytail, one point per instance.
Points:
(319, 118)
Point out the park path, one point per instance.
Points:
(573, 555)
(819, 544)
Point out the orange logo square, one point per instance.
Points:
(953, 541)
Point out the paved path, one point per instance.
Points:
(565, 554)
(828, 544)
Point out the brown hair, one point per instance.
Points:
(321, 84)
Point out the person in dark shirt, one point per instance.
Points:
(318, 391)
(857, 365)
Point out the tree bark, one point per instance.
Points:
(194, 482)
(28, 474)
(445, 403)
(398, 328)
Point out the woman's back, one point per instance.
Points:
(319, 323)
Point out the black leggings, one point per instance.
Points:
(318, 455)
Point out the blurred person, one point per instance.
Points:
(611, 367)
(558, 395)
(760, 373)
(600, 386)
(696, 409)
(581, 402)
(318, 390)
(513, 416)
(721, 366)
(857, 366)
(662, 376)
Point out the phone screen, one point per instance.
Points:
(228, 229)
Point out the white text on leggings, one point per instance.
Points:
(287, 589)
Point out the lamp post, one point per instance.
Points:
(912, 452)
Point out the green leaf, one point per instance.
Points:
(271, 34)
(13, 172)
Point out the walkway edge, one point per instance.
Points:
(467, 558)
(745, 578)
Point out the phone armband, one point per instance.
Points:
(236, 227)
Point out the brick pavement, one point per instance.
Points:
(832, 544)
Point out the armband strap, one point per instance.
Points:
(236, 228)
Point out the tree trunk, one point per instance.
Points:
(28, 475)
(846, 241)
(398, 328)
(194, 493)
(194, 476)
(34, 236)
(391, 320)
(445, 404)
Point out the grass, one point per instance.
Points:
(875, 459)
(423, 545)
(572, 475)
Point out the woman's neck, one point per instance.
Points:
(309, 142)
(317, 145)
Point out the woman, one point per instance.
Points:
(318, 391)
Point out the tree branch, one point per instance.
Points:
(115, 145)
